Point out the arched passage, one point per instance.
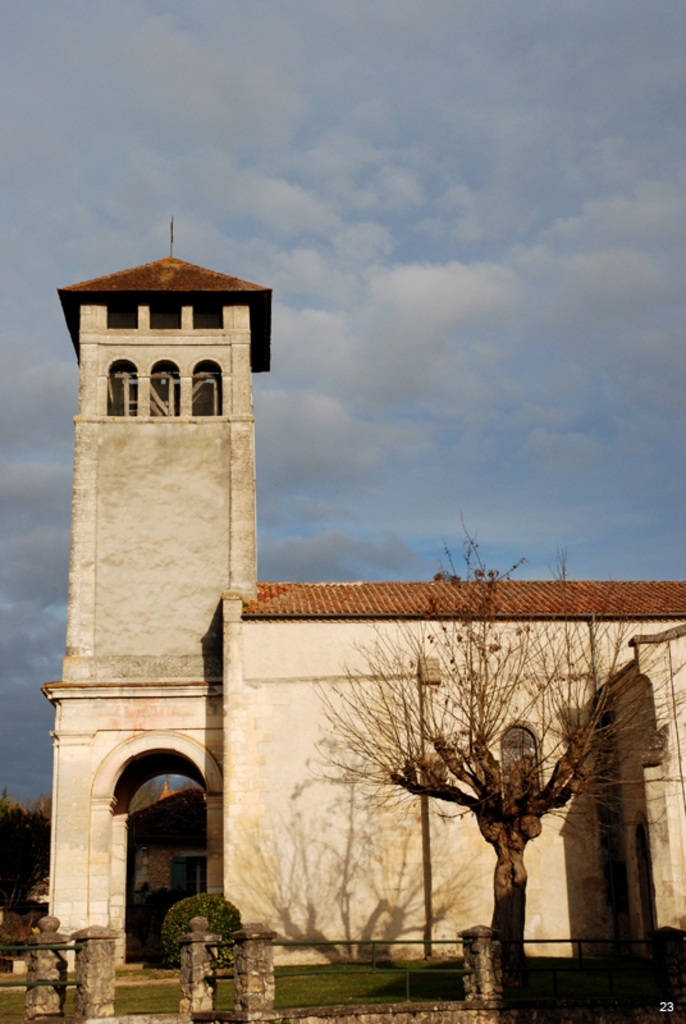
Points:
(123, 771)
(146, 767)
(148, 744)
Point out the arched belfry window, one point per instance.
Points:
(207, 390)
(164, 390)
(519, 756)
(122, 389)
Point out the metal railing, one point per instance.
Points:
(23, 982)
(376, 964)
(583, 967)
(393, 969)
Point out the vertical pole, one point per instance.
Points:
(426, 835)
(427, 873)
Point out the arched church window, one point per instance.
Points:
(519, 756)
(165, 387)
(207, 390)
(122, 389)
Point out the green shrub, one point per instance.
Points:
(222, 916)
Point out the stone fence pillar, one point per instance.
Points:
(95, 971)
(198, 968)
(483, 980)
(46, 965)
(669, 962)
(253, 972)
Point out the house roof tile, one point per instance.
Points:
(178, 815)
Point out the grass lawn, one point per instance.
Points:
(354, 983)
(632, 977)
(12, 1004)
(157, 990)
(148, 999)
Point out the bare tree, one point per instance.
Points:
(505, 718)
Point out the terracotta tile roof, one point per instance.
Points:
(167, 275)
(180, 816)
(182, 280)
(634, 599)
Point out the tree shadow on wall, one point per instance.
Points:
(343, 868)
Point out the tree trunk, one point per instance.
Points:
(509, 889)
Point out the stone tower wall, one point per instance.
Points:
(164, 507)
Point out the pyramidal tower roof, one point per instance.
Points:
(167, 275)
(185, 280)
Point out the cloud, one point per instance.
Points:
(454, 295)
(34, 547)
(340, 555)
(651, 214)
(471, 216)
(31, 649)
(565, 453)
(315, 438)
(611, 287)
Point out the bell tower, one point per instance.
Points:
(163, 527)
(163, 515)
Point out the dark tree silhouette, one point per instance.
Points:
(24, 850)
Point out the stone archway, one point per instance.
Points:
(121, 773)
(144, 744)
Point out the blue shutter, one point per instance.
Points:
(178, 879)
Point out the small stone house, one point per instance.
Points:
(167, 846)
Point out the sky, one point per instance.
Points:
(472, 217)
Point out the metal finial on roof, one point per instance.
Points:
(171, 238)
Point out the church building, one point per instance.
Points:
(178, 661)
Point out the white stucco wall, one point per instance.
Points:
(310, 854)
